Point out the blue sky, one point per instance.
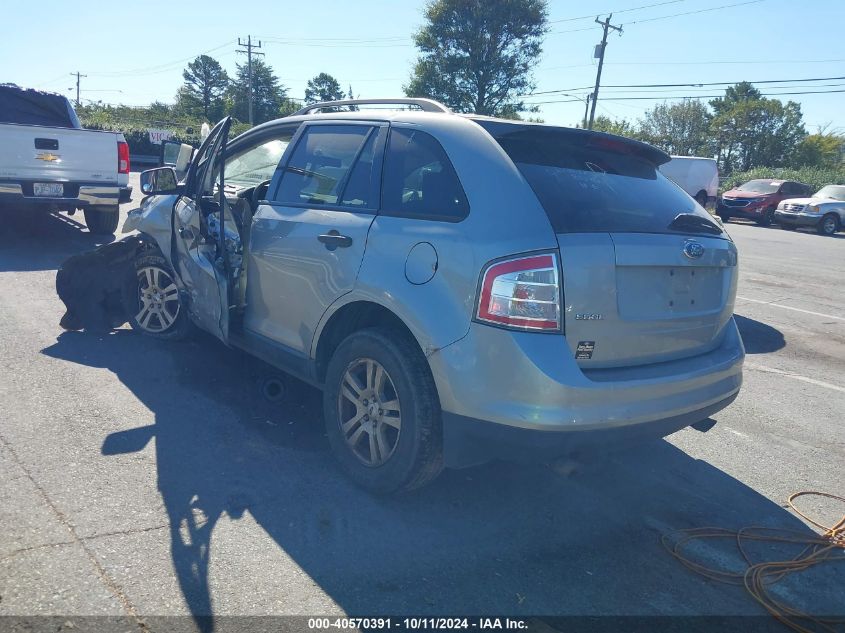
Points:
(135, 55)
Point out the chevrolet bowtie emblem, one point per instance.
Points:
(48, 157)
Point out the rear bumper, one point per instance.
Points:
(467, 441)
(494, 383)
(77, 195)
(797, 219)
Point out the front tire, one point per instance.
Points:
(102, 220)
(154, 306)
(382, 412)
(828, 225)
(768, 217)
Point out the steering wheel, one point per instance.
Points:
(258, 193)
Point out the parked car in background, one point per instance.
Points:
(47, 160)
(824, 210)
(758, 199)
(699, 177)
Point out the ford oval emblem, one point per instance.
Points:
(693, 249)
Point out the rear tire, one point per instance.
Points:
(102, 220)
(701, 198)
(154, 306)
(828, 225)
(400, 447)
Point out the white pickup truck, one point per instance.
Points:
(48, 161)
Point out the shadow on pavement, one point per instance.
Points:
(32, 239)
(495, 539)
(759, 337)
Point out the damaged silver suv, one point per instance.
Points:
(461, 288)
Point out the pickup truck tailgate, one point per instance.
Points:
(58, 154)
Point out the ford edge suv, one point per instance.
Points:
(461, 288)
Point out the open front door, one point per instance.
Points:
(199, 249)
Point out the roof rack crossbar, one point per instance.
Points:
(426, 105)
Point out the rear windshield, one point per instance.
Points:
(31, 107)
(586, 189)
(761, 186)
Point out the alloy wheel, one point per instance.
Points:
(829, 225)
(158, 299)
(369, 412)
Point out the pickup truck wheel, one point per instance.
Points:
(152, 300)
(102, 220)
(829, 224)
(382, 412)
(701, 198)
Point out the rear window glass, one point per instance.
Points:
(31, 107)
(587, 189)
(419, 179)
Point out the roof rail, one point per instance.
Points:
(426, 105)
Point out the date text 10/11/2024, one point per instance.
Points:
(417, 624)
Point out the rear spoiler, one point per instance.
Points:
(499, 129)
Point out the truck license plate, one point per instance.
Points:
(48, 189)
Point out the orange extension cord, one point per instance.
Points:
(826, 547)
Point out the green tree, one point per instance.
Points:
(288, 107)
(620, 127)
(205, 84)
(751, 130)
(323, 87)
(819, 150)
(268, 95)
(477, 56)
(681, 129)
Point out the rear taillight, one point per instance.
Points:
(522, 293)
(122, 157)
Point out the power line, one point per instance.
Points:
(165, 67)
(687, 85)
(673, 15)
(700, 63)
(645, 6)
(667, 97)
(656, 90)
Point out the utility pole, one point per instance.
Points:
(77, 74)
(587, 108)
(600, 54)
(249, 46)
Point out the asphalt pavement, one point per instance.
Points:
(141, 478)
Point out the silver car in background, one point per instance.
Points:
(461, 288)
(824, 210)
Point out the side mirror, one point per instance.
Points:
(159, 181)
(176, 155)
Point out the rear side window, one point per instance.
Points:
(587, 185)
(322, 165)
(31, 107)
(419, 180)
